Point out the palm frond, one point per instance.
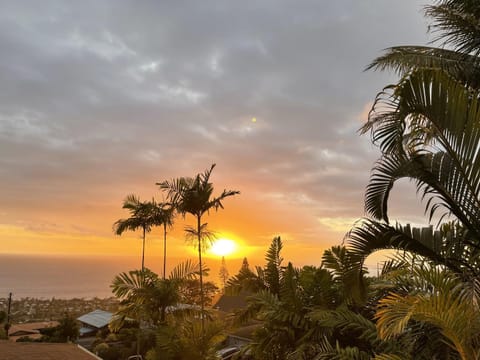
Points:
(456, 23)
(184, 271)
(432, 130)
(144, 215)
(455, 319)
(245, 281)
(346, 272)
(208, 237)
(465, 68)
(372, 236)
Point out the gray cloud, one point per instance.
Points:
(99, 97)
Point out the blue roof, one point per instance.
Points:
(96, 318)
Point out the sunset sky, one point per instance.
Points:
(101, 99)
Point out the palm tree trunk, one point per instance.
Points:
(143, 250)
(202, 300)
(164, 249)
(163, 312)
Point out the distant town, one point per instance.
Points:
(31, 309)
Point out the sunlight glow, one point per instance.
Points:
(223, 247)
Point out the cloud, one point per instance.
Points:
(100, 99)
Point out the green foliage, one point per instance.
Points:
(190, 292)
(428, 128)
(3, 318)
(146, 297)
(431, 309)
(347, 276)
(107, 352)
(187, 340)
(67, 330)
(313, 314)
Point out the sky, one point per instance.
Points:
(101, 99)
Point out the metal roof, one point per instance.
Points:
(96, 318)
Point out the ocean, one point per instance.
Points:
(66, 277)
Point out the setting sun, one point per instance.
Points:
(222, 247)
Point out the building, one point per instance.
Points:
(43, 351)
(94, 321)
(231, 303)
(30, 330)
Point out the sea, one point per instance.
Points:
(68, 277)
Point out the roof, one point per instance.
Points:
(230, 303)
(96, 318)
(176, 307)
(32, 330)
(43, 351)
(246, 332)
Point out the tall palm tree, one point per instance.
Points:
(428, 129)
(164, 214)
(143, 216)
(195, 196)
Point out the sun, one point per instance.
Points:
(223, 247)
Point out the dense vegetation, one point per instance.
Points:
(424, 303)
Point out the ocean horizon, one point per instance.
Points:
(67, 277)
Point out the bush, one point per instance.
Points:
(101, 349)
(107, 352)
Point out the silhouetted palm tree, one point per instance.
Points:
(307, 313)
(428, 129)
(143, 216)
(195, 196)
(164, 214)
(146, 297)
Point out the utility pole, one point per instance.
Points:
(7, 325)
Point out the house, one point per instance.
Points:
(230, 303)
(31, 330)
(242, 336)
(43, 351)
(94, 321)
(237, 339)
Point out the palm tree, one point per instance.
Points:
(195, 196)
(186, 339)
(433, 311)
(143, 216)
(146, 297)
(456, 23)
(428, 129)
(310, 312)
(164, 214)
